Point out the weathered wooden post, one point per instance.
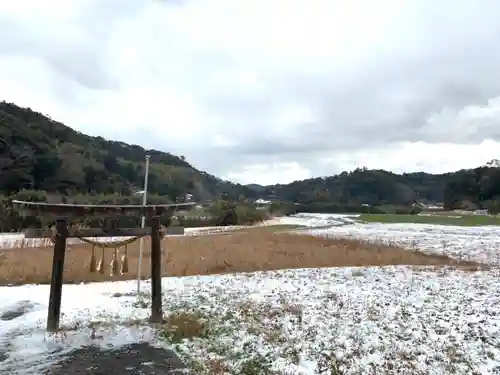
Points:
(56, 281)
(156, 308)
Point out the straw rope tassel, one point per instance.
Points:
(93, 262)
(124, 267)
(114, 263)
(100, 266)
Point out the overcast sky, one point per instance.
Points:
(266, 91)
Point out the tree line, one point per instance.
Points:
(217, 213)
(379, 191)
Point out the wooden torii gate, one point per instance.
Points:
(64, 213)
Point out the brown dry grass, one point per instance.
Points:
(240, 251)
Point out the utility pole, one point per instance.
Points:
(143, 223)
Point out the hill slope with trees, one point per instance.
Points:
(45, 160)
(38, 153)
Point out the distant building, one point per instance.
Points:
(261, 203)
(481, 212)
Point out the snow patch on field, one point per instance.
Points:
(480, 244)
(318, 220)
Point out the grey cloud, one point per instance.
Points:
(359, 108)
(82, 67)
(357, 113)
(75, 50)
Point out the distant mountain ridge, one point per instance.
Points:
(256, 187)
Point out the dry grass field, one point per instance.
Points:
(239, 251)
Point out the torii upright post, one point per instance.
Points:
(156, 308)
(63, 231)
(56, 280)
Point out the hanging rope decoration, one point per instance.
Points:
(100, 266)
(124, 263)
(114, 267)
(115, 245)
(93, 263)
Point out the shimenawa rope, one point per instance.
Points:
(93, 267)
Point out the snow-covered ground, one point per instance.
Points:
(318, 220)
(480, 243)
(391, 320)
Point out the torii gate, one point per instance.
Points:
(64, 213)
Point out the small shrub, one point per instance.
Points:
(182, 325)
(228, 213)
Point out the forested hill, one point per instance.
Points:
(38, 153)
(366, 186)
(468, 189)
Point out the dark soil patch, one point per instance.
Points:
(134, 359)
(18, 310)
